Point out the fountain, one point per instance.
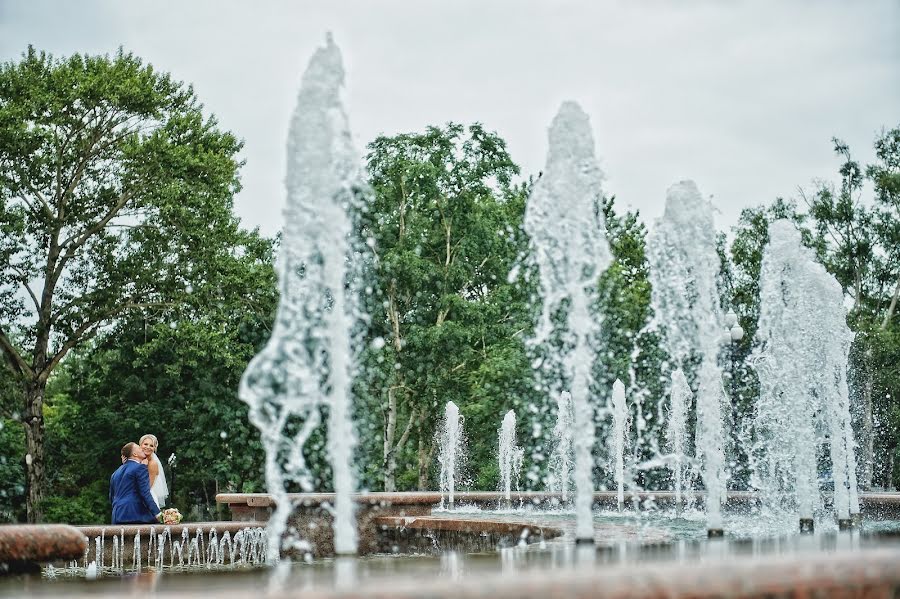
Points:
(307, 364)
(620, 422)
(510, 456)
(803, 344)
(684, 267)
(450, 454)
(680, 396)
(568, 237)
(561, 458)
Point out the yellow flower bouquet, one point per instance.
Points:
(171, 516)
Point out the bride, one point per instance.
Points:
(158, 487)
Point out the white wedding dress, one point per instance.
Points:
(159, 490)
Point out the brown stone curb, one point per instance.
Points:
(873, 573)
(23, 547)
(877, 504)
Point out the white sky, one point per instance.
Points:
(741, 96)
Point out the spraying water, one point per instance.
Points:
(830, 319)
(561, 458)
(680, 398)
(785, 409)
(801, 357)
(620, 418)
(568, 237)
(451, 443)
(510, 455)
(307, 363)
(684, 266)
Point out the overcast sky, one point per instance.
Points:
(741, 96)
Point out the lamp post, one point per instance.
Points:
(171, 462)
(735, 334)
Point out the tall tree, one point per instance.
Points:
(632, 353)
(114, 191)
(885, 338)
(444, 227)
(859, 242)
(175, 377)
(741, 268)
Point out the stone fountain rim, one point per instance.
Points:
(872, 499)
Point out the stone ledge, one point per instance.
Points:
(873, 502)
(863, 574)
(40, 543)
(467, 525)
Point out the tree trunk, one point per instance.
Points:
(425, 453)
(34, 450)
(424, 463)
(390, 449)
(389, 456)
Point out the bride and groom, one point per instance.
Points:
(138, 490)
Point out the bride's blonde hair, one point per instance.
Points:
(148, 436)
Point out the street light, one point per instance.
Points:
(734, 334)
(172, 460)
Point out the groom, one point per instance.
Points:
(129, 490)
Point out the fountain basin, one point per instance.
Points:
(445, 534)
(257, 507)
(854, 567)
(381, 517)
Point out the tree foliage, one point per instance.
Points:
(131, 300)
(445, 228)
(115, 192)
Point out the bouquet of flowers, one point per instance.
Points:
(171, 516)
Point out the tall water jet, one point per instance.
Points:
(567, 232)
(450, 443)
(561, 458)
(680, 396)
(803, 344)
(306, 365)
(829, 319)
(787, 367)
(684, 267)
(510, 456)
(620, 417)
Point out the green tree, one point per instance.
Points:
(859, 242)
(445, 322)
(12, 452)
(114, 191)
(741, 265)
(631, 353)
(176, 378)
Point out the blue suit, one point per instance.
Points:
(129, 494)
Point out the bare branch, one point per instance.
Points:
(44, 204)
(72, 244)
(27, 203)
(831, 231)
(13, 357)
(93, 149)
(405, 436)
(90, 328)
(24, 276)
(892, 308)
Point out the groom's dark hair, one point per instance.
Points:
(127, 449)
